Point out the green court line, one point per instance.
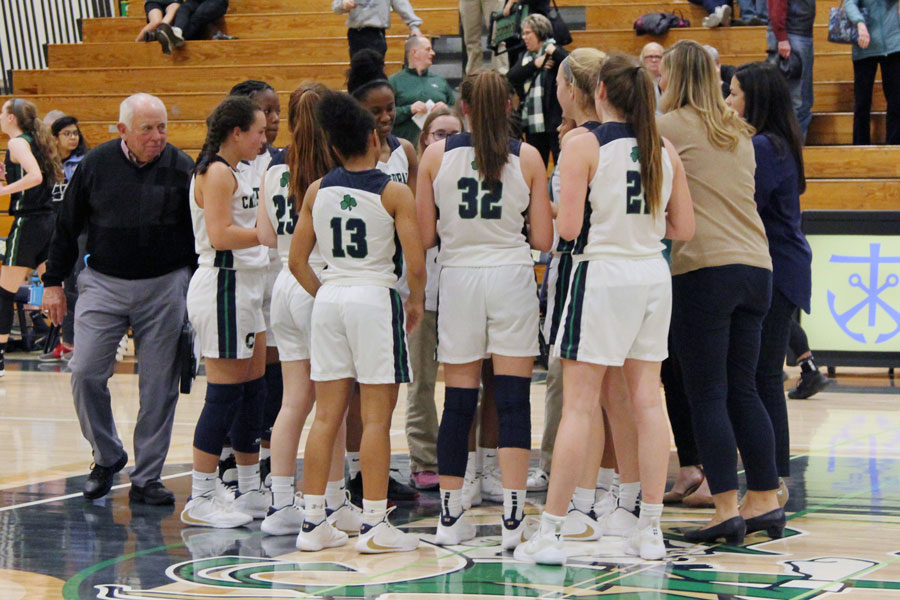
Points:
(865, 571)
(70, 589)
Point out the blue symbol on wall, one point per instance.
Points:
(873, 291)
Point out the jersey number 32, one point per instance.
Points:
(488, 205)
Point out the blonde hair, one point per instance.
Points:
(580, 70)
(692, 81)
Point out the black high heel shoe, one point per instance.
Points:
(772, 522)
(732, 530)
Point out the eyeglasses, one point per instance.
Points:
(69, 134)
(652, 57)
(441, 134)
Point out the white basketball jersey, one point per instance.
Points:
(397, 165)
(243, 214)
(254, 171)
(480, 227)
(355, 233)
(283, 209)
(621, 225)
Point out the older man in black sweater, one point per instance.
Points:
(131, 196)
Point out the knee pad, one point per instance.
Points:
(274, 392)
(7, 310)
(247, 425)
(453, 434)
(512, 395)
(222, 401)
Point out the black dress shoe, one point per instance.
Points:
(732, 530)
(154, 494)
(810, 384)
(771, 522)
(100, 481)
(398, 491)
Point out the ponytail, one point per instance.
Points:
(308, 157)
(487, 94)
(233, 111)
(47, 155)
(630, 90)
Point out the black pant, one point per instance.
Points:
(776, 329)
(717, 317)
(366, 37)
(547, 143)
(194, 15)
(679, 409)
(864, 71)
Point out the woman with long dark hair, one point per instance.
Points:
(485, 187)
(357, 216)
(224, 304)
(760, 94)
(30, 170)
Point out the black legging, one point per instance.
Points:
(194, 15)
(776, 329)
(679, 409)
(864, 71)
(717, 317)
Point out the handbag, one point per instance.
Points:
(561, 32)
(659, 23)
(506, 29)
(841, 29)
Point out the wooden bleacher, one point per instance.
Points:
(284, 42)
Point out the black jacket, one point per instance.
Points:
(520, 74)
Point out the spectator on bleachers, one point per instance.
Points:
(52, 116)
(725, 71)
(879, 44)
(791, 30)
(651, 58)
(195, 20)
(474, 15)
(719, 12)
(534, 78)
(157, 11)
(753, 12)
(368, 20)
(414, 86)
(131, 197)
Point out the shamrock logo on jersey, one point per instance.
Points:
(348, 202)
(474, 166)
(635, 154)
(285, 179)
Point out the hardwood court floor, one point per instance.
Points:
(843, 537)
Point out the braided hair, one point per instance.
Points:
(233, 111)
(250, 88)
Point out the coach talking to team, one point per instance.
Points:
(131, 196)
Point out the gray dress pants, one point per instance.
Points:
(155, 309)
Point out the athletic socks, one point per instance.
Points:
(605, 478)
(583, 499)
(650, 515)
(334, 493)
(226, 452)
(487, 458)
(513, 505)
(628, 495)
(451, 503)
(314, 509)
(202, 483)
(282, 491)
(353, 463)
(264, 453)
(471, 465)
(248, 477)
(374, 511)
(551, 523)
(807, 365)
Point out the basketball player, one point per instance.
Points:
(224, 303)
(30, 171)
(291, 171)
(631, 192)
(485, 187)
(355, 213)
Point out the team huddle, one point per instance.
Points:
(327, 262)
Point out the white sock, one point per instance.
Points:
(605, 478)
(314, 511)
(551, 523)
(334, 493)
(226, 452)
(650, 515)
(451, 502)
(615, 485)
(583, 499)
(202, 483)
(353, 463)
(264, 453)
(248, 478)
(628, 495)
(374, 511)
(282, 491)
(487, 458)
(513, 504)
(471, 465)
